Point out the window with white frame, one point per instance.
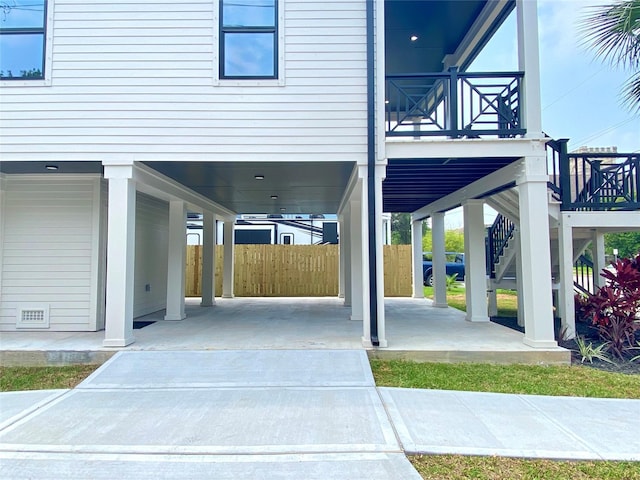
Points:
(22, 39)
(248, 39)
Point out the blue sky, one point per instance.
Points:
(580, 95)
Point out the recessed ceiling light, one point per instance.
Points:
(413, 38)
(259, 177)
(283, 209)
(51, 167)
(386, 102)
(274, 197)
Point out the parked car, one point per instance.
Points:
(454, 265)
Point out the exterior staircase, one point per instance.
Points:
(585, 182)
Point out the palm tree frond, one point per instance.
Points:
(631, 93)
(613, 31)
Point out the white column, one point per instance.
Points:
(535, 253)
(519, 276)
(439, 261)
(341, 260)
(357, 279)
(416, 258)
(492, 300)
(566, 305)
(229, 253)
(387, 231)
(346, 252)
(475, 261)
(177, 259)
(597, 249)
(121, 224)
(379, 256)
(529, 62)
(208, 259)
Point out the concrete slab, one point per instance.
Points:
(15, 405)
(233, 368)
(609, 426)
(369, 466)
(415, 330)
(207, 421)
(470, 423)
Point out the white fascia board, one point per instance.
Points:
(160, 186)
(479, 188)
(406, 148)
(352, 187)
(622, 221)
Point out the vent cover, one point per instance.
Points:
(36, 316)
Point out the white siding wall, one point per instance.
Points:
(49, 250)
(152, 243)
(137, 77)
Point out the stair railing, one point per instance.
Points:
(499, 234)
(583, 276)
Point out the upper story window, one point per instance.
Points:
(22, 39)
(248, 39)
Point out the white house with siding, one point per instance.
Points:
(118, 118)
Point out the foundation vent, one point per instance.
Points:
(33, 317)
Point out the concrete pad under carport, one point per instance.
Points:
(415, 330)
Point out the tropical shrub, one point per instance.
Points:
(614, 308)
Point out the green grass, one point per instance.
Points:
(507, 300)
(43, 378)
(576, 381)
(457, 467)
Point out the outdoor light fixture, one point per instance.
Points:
(274, 197)
(282, 209)
(413, 38)
(51, 167)
(259, 177)
(386, 102)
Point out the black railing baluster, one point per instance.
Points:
(470, 104)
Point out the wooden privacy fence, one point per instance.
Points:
(293, 270)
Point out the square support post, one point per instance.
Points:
(416, 258)
(356, 250)
(475, 261)
(566, 302)
(341, 260)
(597, 249)
(439, 261)
(208, 259)
(346, 240)
(121, 226)
(229, 257)
(535, 253)
(529, 62)
(177, 259)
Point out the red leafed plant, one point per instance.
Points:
(614, 307)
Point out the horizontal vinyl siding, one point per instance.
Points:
(137, 77)
(47, 251)
(152, 242)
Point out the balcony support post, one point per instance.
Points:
(529, 62)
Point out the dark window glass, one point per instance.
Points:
(22, 39)
(248, 39)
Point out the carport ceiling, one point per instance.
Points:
(412, 184)
(300, 187)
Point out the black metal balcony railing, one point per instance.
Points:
(454, 104)
(593, 181)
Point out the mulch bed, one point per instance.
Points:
(591, 335)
